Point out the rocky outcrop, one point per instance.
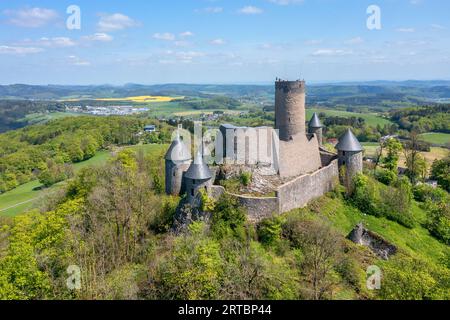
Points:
(377, 244)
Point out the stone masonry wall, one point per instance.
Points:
(258, 208)
(298, 192)
(292, 195)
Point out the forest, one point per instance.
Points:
(114, 224)
(46, 151)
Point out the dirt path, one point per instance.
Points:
(18, 204)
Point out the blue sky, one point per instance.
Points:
(222, 41)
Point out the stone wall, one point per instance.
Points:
(298, 192)
(292, 195)
(299, 156)
(257, 208)
(376, 243)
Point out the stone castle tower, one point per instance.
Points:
(315, 127)
(197, 178)
(177, 161)
(350, 157)
(290, 108)
(298, 152)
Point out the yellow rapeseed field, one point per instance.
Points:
(142, 99)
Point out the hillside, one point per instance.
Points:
(223, 258)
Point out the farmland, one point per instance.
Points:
(371, 119)
(370, 149)
(436, 138)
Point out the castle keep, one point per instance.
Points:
(291, 167)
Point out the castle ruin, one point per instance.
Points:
(294, 168)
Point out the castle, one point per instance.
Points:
(294, 167)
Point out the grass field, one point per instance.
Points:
(137, 99)
(436, 153)
(371, 119)
(436, 138)
(370, 148)
(416, 242)
(28, 195)
(36, 118)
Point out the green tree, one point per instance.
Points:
(440, 170)
(406, 278)
(393, 148)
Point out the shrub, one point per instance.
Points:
(228, 219)
(440, 170)
(270, 230)
(393, 202)
(413, 279)
(245, 178)
(385, 176)
(424, 192)
(438, 221)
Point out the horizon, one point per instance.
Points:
(265, 83)
(222, 42)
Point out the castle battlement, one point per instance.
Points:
(288, 86)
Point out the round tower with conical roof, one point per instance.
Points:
(350, 156)
(198, 177)
(315, 127)
(177, 161)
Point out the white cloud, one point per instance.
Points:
(31, 17)
(185, 57)
(19, 50)
(115, 22)
(167, 36)
(356, 40)
(217, 42)
(407, 30)
(76, 61)
(182, 43)
(250, 10)
(102, 37)
(313, 42)
(286, 2)
(331, 52)
(186, 34)
(210, 10)
(56, 42)
(438, 26)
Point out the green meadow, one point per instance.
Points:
(372, 119)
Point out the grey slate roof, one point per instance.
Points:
(315, 122)
(198, 170)
(178, 151)
(348, 142)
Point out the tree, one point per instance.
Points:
(415, 162)
(228, 219)
(54, 173)
(393, 148)
(412, 279)
(438, 220)
(320, 246)
(440, 170)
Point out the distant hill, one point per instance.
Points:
(353, 93)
